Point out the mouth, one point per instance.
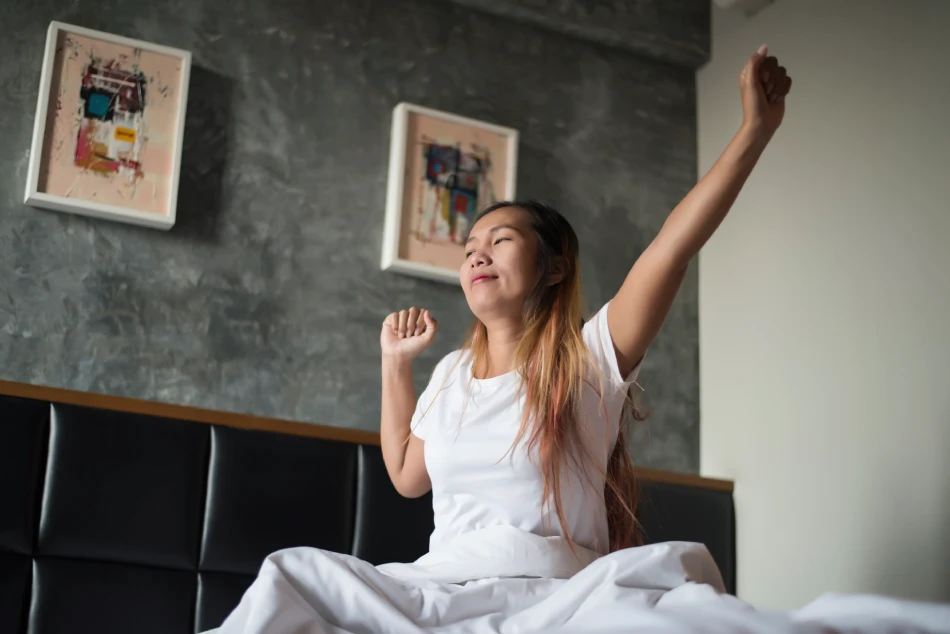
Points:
(478, 279)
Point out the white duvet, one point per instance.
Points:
(503, 581)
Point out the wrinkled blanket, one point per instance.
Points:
(504, 581)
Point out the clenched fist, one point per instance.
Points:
(763, 84)
(407, 333)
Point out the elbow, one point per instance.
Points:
(678, 261)
(411, 488)
(668, 256)
(410, 492)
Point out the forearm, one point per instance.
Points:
(699, 214)
(398, 404)
(644, 300)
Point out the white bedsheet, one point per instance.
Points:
(505, 581)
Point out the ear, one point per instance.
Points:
(559, 273)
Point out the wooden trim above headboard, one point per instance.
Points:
(182, 412)
(246, 421)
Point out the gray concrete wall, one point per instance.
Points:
(675, 31)
(266, 297)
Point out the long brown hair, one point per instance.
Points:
(554, 364)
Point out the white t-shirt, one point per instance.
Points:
(469, 425)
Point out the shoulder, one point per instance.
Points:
(439, 391)
(447, 366)
(446, 363)
(595, 328)
(600, 344)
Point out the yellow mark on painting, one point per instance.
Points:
(125, 134)
(445, 197)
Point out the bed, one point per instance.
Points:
(121, 515)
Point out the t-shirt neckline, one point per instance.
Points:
(491, 382)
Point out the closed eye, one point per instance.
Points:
(468, 254)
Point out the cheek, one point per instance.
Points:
(525, 268)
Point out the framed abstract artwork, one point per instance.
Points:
(443, 169)
(110, 118)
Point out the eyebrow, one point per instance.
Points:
(497, 228)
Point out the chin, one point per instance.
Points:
(479, 306)
(487, 307)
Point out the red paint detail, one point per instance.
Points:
(84, 145)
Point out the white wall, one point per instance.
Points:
(825, 304)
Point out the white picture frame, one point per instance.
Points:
(403, 251)
(155, 207)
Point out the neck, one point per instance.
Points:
(503, 339)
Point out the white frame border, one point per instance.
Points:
(35, 198)
(395, 188)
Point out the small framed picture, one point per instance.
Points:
(443, 169)
(110, 117)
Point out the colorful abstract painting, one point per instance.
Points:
(444, 169)
(111, 124)
(457, 184)
(110, 133)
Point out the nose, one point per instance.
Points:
(479, 258)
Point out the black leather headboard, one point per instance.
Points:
(119, 522)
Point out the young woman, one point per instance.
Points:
(519, 436)
(530, 384)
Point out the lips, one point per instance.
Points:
(483, 278)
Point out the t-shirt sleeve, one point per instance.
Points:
(601, 347)
(421, 423)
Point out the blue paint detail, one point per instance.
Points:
(440, 159)
(98, 105)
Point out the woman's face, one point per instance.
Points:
(501, 264)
